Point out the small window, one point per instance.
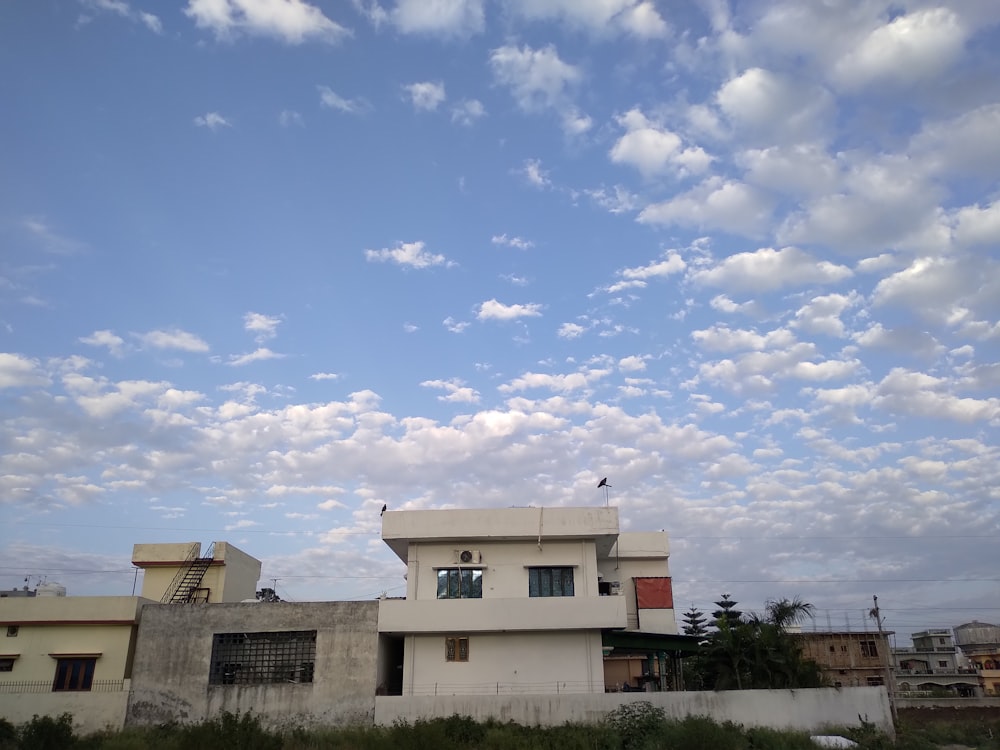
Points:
(832, 649)
(456, 649)
(868, 650)
(943, 664)
(941, 641)
(543, 582)
(875, 681)
(12, 631)
(74, 674)
(843, 647)
(460, 583)
(6, 664)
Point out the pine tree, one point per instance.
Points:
(726, 611)
(694, 622)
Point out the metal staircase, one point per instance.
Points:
(189, 577)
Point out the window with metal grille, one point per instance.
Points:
(460, 583)
(456, 649)
(868, 649)
(263, 658)
(550, 582)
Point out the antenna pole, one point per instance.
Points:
(889, 685)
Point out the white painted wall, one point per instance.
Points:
(566, 661)
(804, 710)
(92, 712)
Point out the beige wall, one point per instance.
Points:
(92, 712)
(804, 710)
(232, 577)
(568, 661)
(640, 554)
(174, 649)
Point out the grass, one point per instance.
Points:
(636, 726)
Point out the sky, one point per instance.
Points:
(267, 265)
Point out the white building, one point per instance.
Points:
(519, 600)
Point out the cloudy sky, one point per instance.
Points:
(266, 265)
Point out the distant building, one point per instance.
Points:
(848, 658)
(933, 664)
(75, 653)
(980, 642)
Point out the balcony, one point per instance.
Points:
(501, 615)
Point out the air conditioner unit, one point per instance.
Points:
(468, 557)
(616, 588)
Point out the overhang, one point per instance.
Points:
(634, 641)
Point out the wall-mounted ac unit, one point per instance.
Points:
(468, 557)
(616, 588)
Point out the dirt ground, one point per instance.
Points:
(920, 717)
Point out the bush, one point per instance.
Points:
(230, 731)
(47, 733)
(702, 733)
(637, 724)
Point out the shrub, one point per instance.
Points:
(637, 723)
(230, 731)
(47, 733)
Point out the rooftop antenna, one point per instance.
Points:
(604, 483)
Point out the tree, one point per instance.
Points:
(694, 622)
(267, 595)
(726, 610)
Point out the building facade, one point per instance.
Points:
(932, 665)
(848, 658)
(980, 642)
(516, 600)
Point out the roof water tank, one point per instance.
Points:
(50, 589)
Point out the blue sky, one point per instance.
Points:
(266, 265)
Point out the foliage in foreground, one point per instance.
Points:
(634, 726)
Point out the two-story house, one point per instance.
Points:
(932, 664)
(517, 600)
(980, 642)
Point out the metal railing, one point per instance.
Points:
(45, 686)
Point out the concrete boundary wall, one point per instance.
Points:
(805, 710)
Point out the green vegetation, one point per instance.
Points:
(634, 726)
(752, 651)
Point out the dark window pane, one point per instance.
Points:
(477, 584)
(442, 591)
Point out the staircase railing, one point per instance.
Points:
(170, 596)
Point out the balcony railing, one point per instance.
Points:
(45, 686)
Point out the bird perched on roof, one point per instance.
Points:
(603, 483)
(384, 508)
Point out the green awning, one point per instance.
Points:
(632, 641)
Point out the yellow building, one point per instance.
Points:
(74, 653)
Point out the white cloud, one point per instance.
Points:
(264, 326)
(976, 226)
(559, 383)
(455, 326)
(534, 174)
(671, 263)
(457, 391)
(929, 286)
(822, 314)
(968, 143)
(720, 338)
(409, 254)
(908, 50)
(493, 310)
(796, 170)
(212, 120)
(289, 117)
(763, 104)
(291, 21)
(425, 95)
(17, 371)
(516, 242)
(571, 331)
(151, 22)
(653, 150)
(332, 100)
(173, 339)
(50, 240)
(466, 112)
(768, 269)
(641, 19)
(907, 392)
(714, 204)
(632, 364)
(324, 376)
(439, 17)
(115, 344)
(261, 354)
(618, 201)
(538, 80)
(123, 9)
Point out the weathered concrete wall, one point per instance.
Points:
(174, 648)
(92, 712)
(980, 702)
(792, 709)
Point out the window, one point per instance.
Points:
(941, 641)
(456, 649)
(943, 664)
(875, 681)
(550, 582)
(7, 663)
(832, 649)
(12, 631)
(262, 658)
(868, 650)
(74, 674)
(460, 583)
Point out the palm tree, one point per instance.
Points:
(783, 613)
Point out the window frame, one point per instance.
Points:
(456, 648)
(277, 657)
(74, 674)
(457, 584)
(545, 580)
(869, 649)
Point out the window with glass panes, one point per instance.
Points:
(550, 582)
(460, 583)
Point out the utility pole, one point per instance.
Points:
(890, 684)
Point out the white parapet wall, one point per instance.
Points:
(91, 711)
(803, 710)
